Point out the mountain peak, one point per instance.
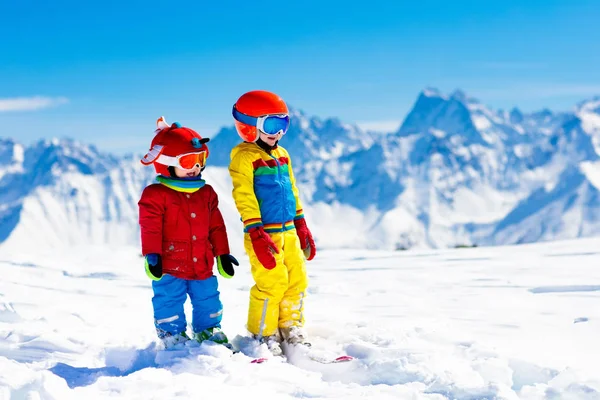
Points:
(515, 116)
(459, 95)
(590, 106)
(543, 113)
(6, 141)
(10, 152)
(296, 112)
(433, 92)
(55, 156)
(436, 111)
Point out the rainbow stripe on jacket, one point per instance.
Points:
(264, 188)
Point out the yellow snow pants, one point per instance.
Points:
(277, 298)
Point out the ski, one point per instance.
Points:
(307, 352)
(262, 359)
(296, 354)
(310, 356)
(337, 360)
(259, 360)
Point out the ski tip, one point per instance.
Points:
(343, 359)
(259, 360)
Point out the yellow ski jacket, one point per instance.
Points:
(264, 188)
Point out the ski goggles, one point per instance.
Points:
(271, 124)
(184, 161)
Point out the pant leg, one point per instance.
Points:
(207, 309)
(170, 294)
(291, 308)
(268, 290)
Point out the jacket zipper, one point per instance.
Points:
(282, 192)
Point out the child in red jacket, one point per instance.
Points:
(182, 231)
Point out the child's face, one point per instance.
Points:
(270, 139)
(187, 173)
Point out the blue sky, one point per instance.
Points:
(102, 73)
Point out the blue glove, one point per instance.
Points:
(153, 266)
(225, 265)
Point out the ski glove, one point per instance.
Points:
(225, 265)
(263, 247)
(154, 266)
(306, 240)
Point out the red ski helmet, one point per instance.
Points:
(255, 104)
(177, 146)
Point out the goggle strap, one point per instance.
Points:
(168, 160)
(243, 118)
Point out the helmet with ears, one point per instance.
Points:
(256, 104)
(173, 140)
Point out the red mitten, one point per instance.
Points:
(263, 247)
(306, 240)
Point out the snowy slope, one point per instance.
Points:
(571, 208)
(68, 194)
(501, 323)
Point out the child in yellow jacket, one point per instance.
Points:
(276, 238)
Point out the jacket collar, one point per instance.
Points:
(265, 146)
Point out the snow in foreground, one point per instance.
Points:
(517, 322)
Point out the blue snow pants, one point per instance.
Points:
(170, 294)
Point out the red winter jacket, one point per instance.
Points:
(186, 229)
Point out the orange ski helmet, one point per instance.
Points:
(252, 105)
(175, 146)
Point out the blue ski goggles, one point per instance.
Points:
(271, 124)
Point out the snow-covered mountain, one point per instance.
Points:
(455, 173)
(61, 192)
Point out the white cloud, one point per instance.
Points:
(380, 126)
(30, 103)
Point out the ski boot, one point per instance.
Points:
(170, 340)
(294, 335)
(214, 334)
(273, 343)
